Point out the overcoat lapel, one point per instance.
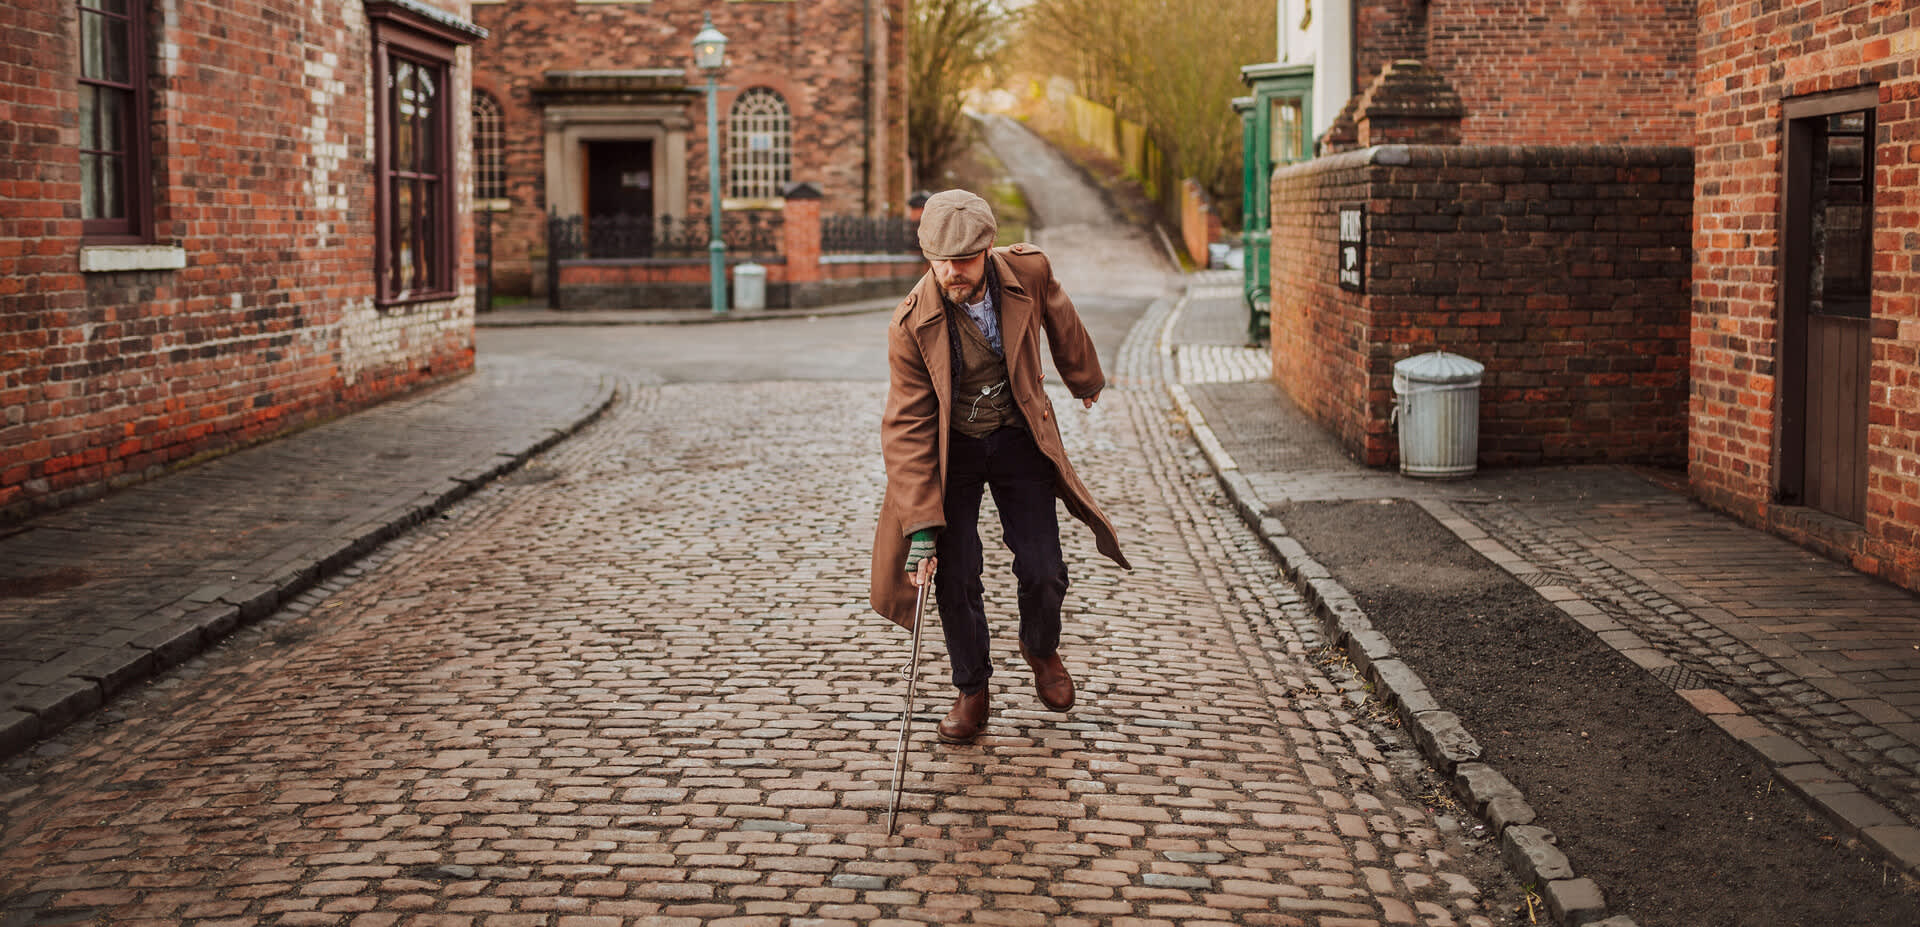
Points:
(1016, 311)
(930, 331)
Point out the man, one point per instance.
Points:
(966, 413)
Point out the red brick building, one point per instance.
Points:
(1806, 286)
(220, 221)
(594, 109)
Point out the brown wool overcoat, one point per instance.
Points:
(914, 427)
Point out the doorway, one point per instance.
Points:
(1826, 303)
(619, 197)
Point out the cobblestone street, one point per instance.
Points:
(637, 682)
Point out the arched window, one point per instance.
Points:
(489, 148)
(759, 145)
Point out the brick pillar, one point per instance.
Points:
(800, 233)
(1342, 134)
(1409, 104)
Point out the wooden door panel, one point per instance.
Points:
(1838, 355)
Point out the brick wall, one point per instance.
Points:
(1385, 31)
(261, 159)
(1199, 223)
(1563, 270)
(810, 53)
(1752, 60)
(1546, 72)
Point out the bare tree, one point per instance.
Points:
(1169, 65)
(950, 44)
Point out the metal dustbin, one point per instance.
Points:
(1436, 401)
(749, 287)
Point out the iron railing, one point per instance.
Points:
(748, 233)
(869, 235)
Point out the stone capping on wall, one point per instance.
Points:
(1493, 156)
(1490, 156)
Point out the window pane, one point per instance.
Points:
(425, 99)
(1846, 157)
(403, 151)
(1844, 241)
(111, 106)
(759, 145)
(104, 48)
(89, 117)
(1282, 147)
(102, 195)
(90, 187)
(93, 53)
(111, 6)
(489, 144)
(117, 49)
(403, 232)
(113, 200)
(428, 272)
(1854, 122)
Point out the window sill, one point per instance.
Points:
(106, 259)
(410, 300)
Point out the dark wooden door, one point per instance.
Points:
(1827, 297)
(620, 197)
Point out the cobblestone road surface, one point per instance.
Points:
(637, 683)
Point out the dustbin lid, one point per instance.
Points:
(750, 269)
(1438, 367)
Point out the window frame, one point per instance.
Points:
(436, 233)
(422, 35)
(135, 175)
(744, 169)
(489, 148)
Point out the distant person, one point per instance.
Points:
(966, 412)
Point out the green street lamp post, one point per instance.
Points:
(710, 55)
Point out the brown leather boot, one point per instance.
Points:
(966, 720)
(1050, 679)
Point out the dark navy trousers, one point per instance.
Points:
(1009, 464)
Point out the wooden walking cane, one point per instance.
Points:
(906, 716)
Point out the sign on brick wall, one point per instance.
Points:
(1353, 248)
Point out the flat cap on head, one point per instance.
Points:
(955, 224)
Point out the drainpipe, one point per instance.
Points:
(866, 108)
(1353, 48)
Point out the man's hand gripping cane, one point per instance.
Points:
(920, 559)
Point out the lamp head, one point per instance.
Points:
(709, 47)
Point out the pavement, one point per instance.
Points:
(1808, 663)
(1813, 666)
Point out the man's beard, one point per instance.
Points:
(967, 296)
